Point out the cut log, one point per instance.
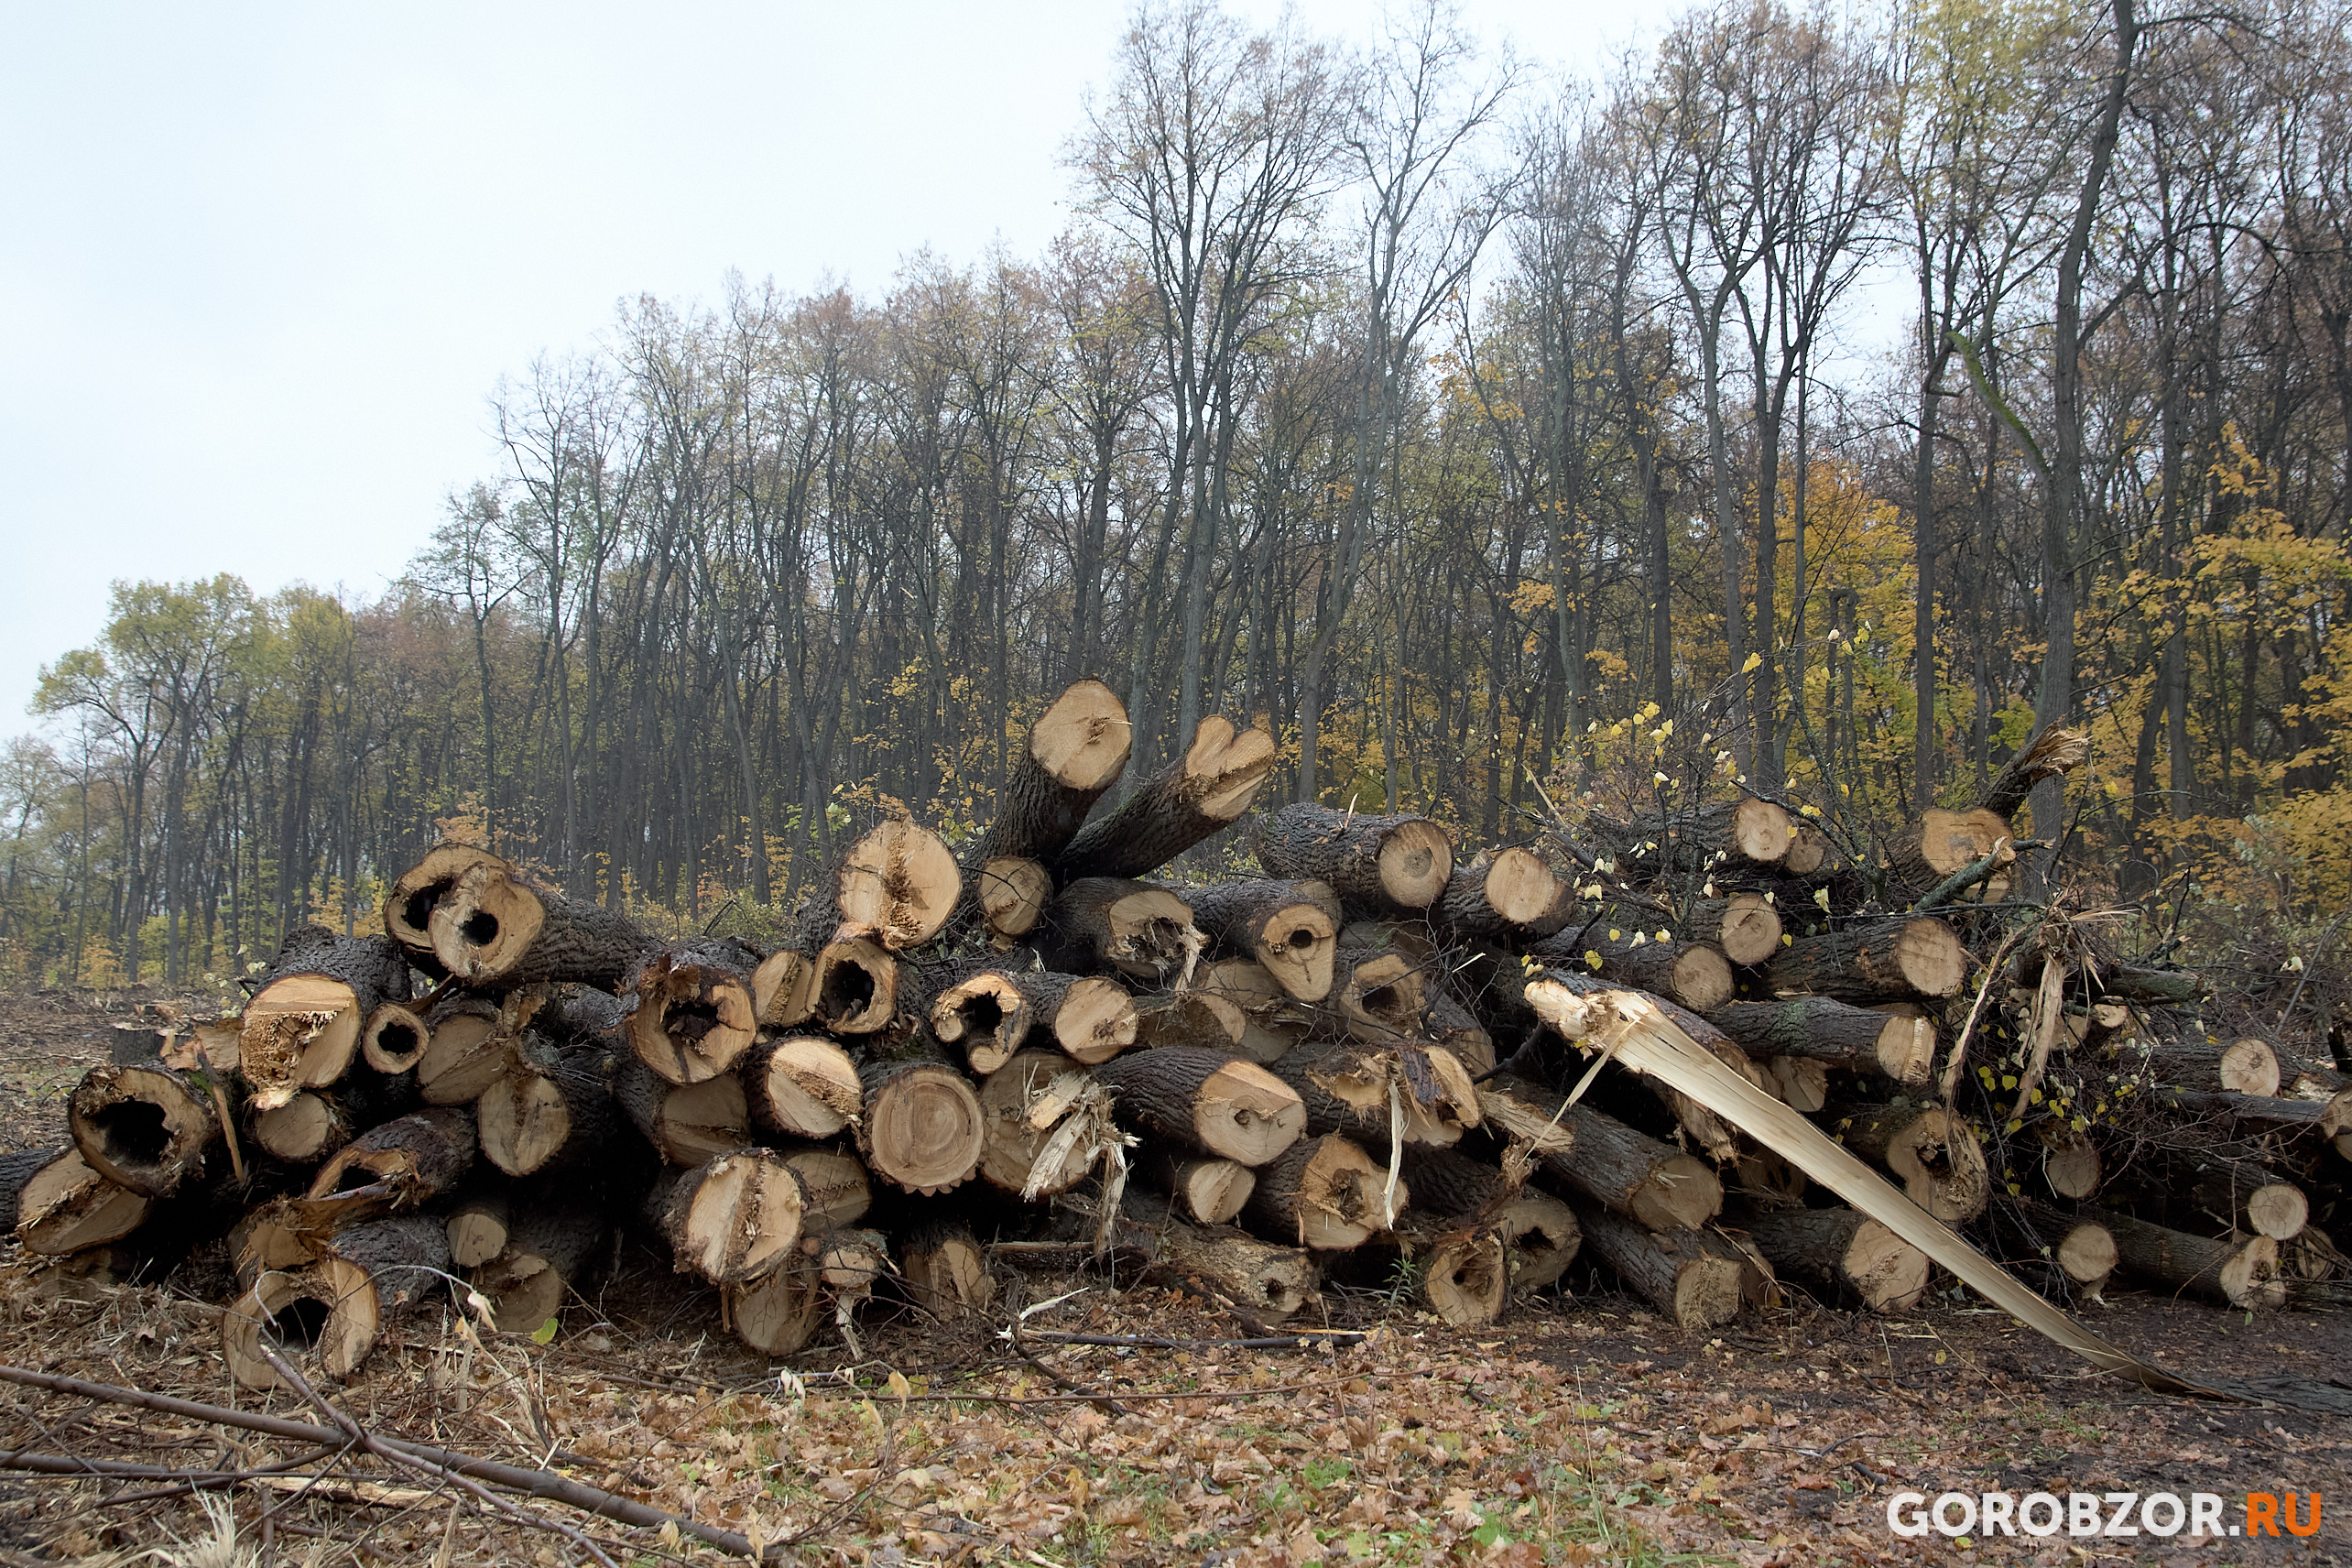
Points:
(1799, 1083)
(923, 1130)
(855, 988)
(1654, 1183)
(1935, 1155)
(1748, 831)
(1809, 851)
(1389, 864)
(990, 1012)
(1696, 976)
(418, 891)
(2239, 1067)
(1185, 803)
(1047, 1126)
(1013, 892)
(2242, 1195)
(394, 1038)
(1464, 1274)
(1289, 928)
(301, 1029)
(496, 929)
(943, 1269)
(732, 1219)
(1452, 1026)
(784, 990)
(2063, 1255)
(305, 1129)
(548, 1113)
(1570, 1001)
(836, 1192)
(1746, 927)
(1377, 994)
(686, 1123)
(2071, 1166)
(779, 1314)
(1197, 1018)
(1205, 1100)
(334, 1312)
(475, 1039)
(1324, 1193)
(1272, 1021)
(145, 1127)
(65, 1206)
(1941, 842)
(1846, 1253)
(689, 1008)
(1136, 928)
(1695, 1277)
(1522, 893)
(1878, 960)
(402, 1164)
(547, 1256)
(479, 1228)
(1076, 751)
(896, 885)
(1270, 1282)
(17, 1168)
(1352, 1088)
(1539, 1233)
(2243, 1271)
(2287, 1122)
(1834, 1033)
(1204, 1190)
(803, 1086)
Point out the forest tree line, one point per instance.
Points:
(1819, 402)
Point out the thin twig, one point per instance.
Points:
(1155, 1342)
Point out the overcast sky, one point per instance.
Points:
(262, 264)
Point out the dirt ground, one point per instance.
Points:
(1580, 1429)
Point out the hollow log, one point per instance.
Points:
(989, 1012)
(1205, 1100)
(401, 1164)
(301, 1029)
(335, 1311)
(1389, 864)
(1847, 1254)
(1324, 1193)
(1935, 1155)
(1836, 1034)
(689, 1008)
(545, 1113)
(418, 891)
(65, 1206)
(1351, 1087)
(1539, 1233)
(2242, 1271)
(145, 1127)
(1136, 928)
(1289, 928)
(1012, 891)
(1377, 994)
(1046, 1125)
(1190, 800)
(394, 1038)
(1462, 1272)
(1074, 752)
(550, 1250)
(923, 1130)
(1881, 960)
(1520, 893)
(496, 929)
(1654, 1183)
(856, 986)
(1204, 1190)
(732, 1219)
(802, 1086)
(1693, 1277)
(686, 1123)
(1270, 1282)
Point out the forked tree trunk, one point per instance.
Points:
(1205, 1100)
(1654, 1183)
(1837, 1034)
(1289, 928)
(1324, 1193)
(803, 1086)
(1188, 800)
(418, 891)
(1271, 1283)
(1845, 1254)
(1389, 865)
(689, 1008)
(302, 1029)
(145, 1127)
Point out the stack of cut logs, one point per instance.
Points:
(1334, 1072)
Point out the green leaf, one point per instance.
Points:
(544, 1333)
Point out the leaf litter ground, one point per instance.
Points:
(1582, 1429)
